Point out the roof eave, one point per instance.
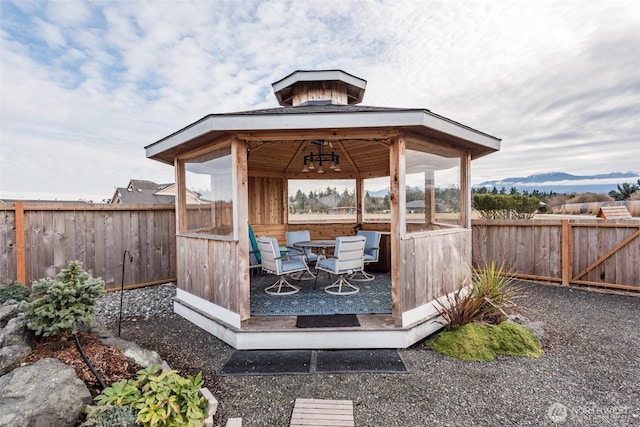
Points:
(327, 120)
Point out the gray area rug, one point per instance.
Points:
(374, 298)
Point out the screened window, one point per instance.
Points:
(432, 191)
(376, 199)
(331, 200)
(209, 195)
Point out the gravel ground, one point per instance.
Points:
(589, 374)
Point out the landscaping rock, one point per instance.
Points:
(45, 394)
(15, 338)
(135, 353)
(536, 327)
(8, 310)
(15, 332)
(12, 356)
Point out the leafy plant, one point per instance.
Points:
(121, 393)
(64, 304)
(160, 398)
(14, 290)
(110, 416)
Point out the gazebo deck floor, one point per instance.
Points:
(280, 323)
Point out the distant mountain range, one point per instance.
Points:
(561, 182)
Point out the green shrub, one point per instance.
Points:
(160, 398)
(503, 206)
(14, 290)
(480, 341)
(110, 416)
(65, 304)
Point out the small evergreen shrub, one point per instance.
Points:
(160, 398)
(14, 290)
(110, 416)
(65, 304)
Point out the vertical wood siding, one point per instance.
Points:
(208, 269)
(433, 265)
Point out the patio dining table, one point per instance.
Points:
(317, 244)
(322, 245)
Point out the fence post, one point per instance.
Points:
(566, 241)
(21, 266)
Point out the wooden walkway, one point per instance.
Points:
(322, 413)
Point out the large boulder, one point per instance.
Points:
(45, 394)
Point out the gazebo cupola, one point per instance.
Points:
(319, 87)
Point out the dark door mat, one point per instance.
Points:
(342, 361)
(271, 362)
(328, 321)
(286, 362)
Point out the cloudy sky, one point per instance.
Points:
(85, 85)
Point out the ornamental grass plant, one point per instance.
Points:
(474, 315)
(490, 297)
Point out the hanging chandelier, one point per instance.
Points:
(321, 157)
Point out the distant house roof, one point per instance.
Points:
(416, 204)
(144, 192)
(330, 200)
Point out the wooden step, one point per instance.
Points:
(322, 413)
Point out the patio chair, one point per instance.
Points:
(255, 261)
(273, 263)
(294, 237)
(371, 254)
(348, 258)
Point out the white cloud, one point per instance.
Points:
(85, 86)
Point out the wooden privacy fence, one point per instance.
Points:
(585, 252)
(39, 240)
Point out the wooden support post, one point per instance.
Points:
(398, 222)
(359, 199)
(429, 197)
(466, 202)
(21, 265)
(566, 241)
(241, 218)
(181, 200)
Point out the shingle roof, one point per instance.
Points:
(143, 192)
(323, 107)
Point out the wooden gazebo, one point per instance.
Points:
(243, 164)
